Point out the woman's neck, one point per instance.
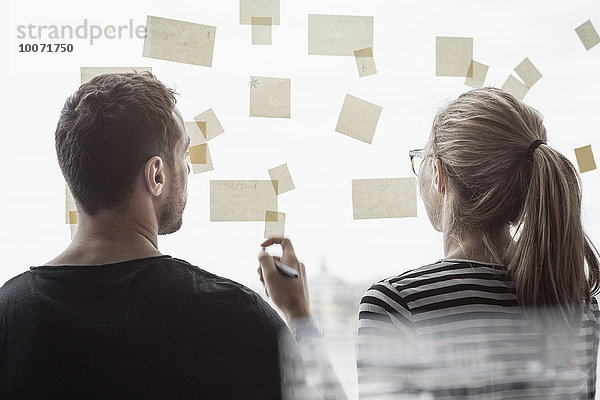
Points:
(473, 247)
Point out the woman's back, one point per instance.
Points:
(454, 329)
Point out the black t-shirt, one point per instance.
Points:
(151, 328)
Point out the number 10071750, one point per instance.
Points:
(45, 48)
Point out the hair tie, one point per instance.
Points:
(532, 148)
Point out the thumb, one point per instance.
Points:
(266, 262)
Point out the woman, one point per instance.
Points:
(486, 168)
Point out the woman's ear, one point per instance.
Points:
(439, 176)
(154, 175)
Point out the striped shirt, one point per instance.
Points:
(453, 329)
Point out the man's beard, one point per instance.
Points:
(171, 214)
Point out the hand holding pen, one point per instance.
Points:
(284, 279)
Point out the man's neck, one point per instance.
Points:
(108, 238)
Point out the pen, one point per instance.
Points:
(285, 270)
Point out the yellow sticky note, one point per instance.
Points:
(194, 131)
(274, 224)
(241, 200)
(202, 127)
(477, 72)
(198, 168)
(453, 56)
(270, 97)
(588, 35)
(358, 119)
(259, 8)
(281, 175)
(69, 205)
(179, 41)
(71, 211)
(213, 126)
(198, 154)
(73, 217)
(199, 149)
(528, 73)
(585, 158)
(365, 62)
(87, 73)
(384, 198)
(339, 35)
(73, 229)
(261, 30)
(515, 87)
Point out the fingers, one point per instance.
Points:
(285, 243)
(304, 280)
(266, 262)
(260, 275)
(262, 280)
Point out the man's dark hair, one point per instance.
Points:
(108, 129)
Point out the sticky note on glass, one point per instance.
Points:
(179, 41)
(198, 152)
(476, 76)
(259, 8)
(73, 229)
(384, 198)
(71, 211)
(274, 224)
(588, 35)
(213, 126)
(87, 73)
(270, 97)
(70, 208)
(282, 180)
(261, 30)
(196, 130)
(453, 56)
(515, 87)
(241, 200)
(585, 158)
(339, 35)
(365, 62)
(528, 73)
(358, 119)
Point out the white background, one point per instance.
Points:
(322, 162)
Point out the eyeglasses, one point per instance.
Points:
(416, 158)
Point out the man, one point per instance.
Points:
(111, 317)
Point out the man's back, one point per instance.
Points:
(156, 327)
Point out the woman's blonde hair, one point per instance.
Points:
(481, 140)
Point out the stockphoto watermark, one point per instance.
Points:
(83, 31)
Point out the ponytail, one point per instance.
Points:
(547, 261)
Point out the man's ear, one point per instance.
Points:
(439, 176)
(154, 175)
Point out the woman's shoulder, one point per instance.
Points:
(446, 269)
(387, 293)
(440, 273)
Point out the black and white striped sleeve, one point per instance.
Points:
(385, 336)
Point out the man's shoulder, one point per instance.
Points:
(210, 281)
(244, 302)
(13, 284)
(170, 281)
